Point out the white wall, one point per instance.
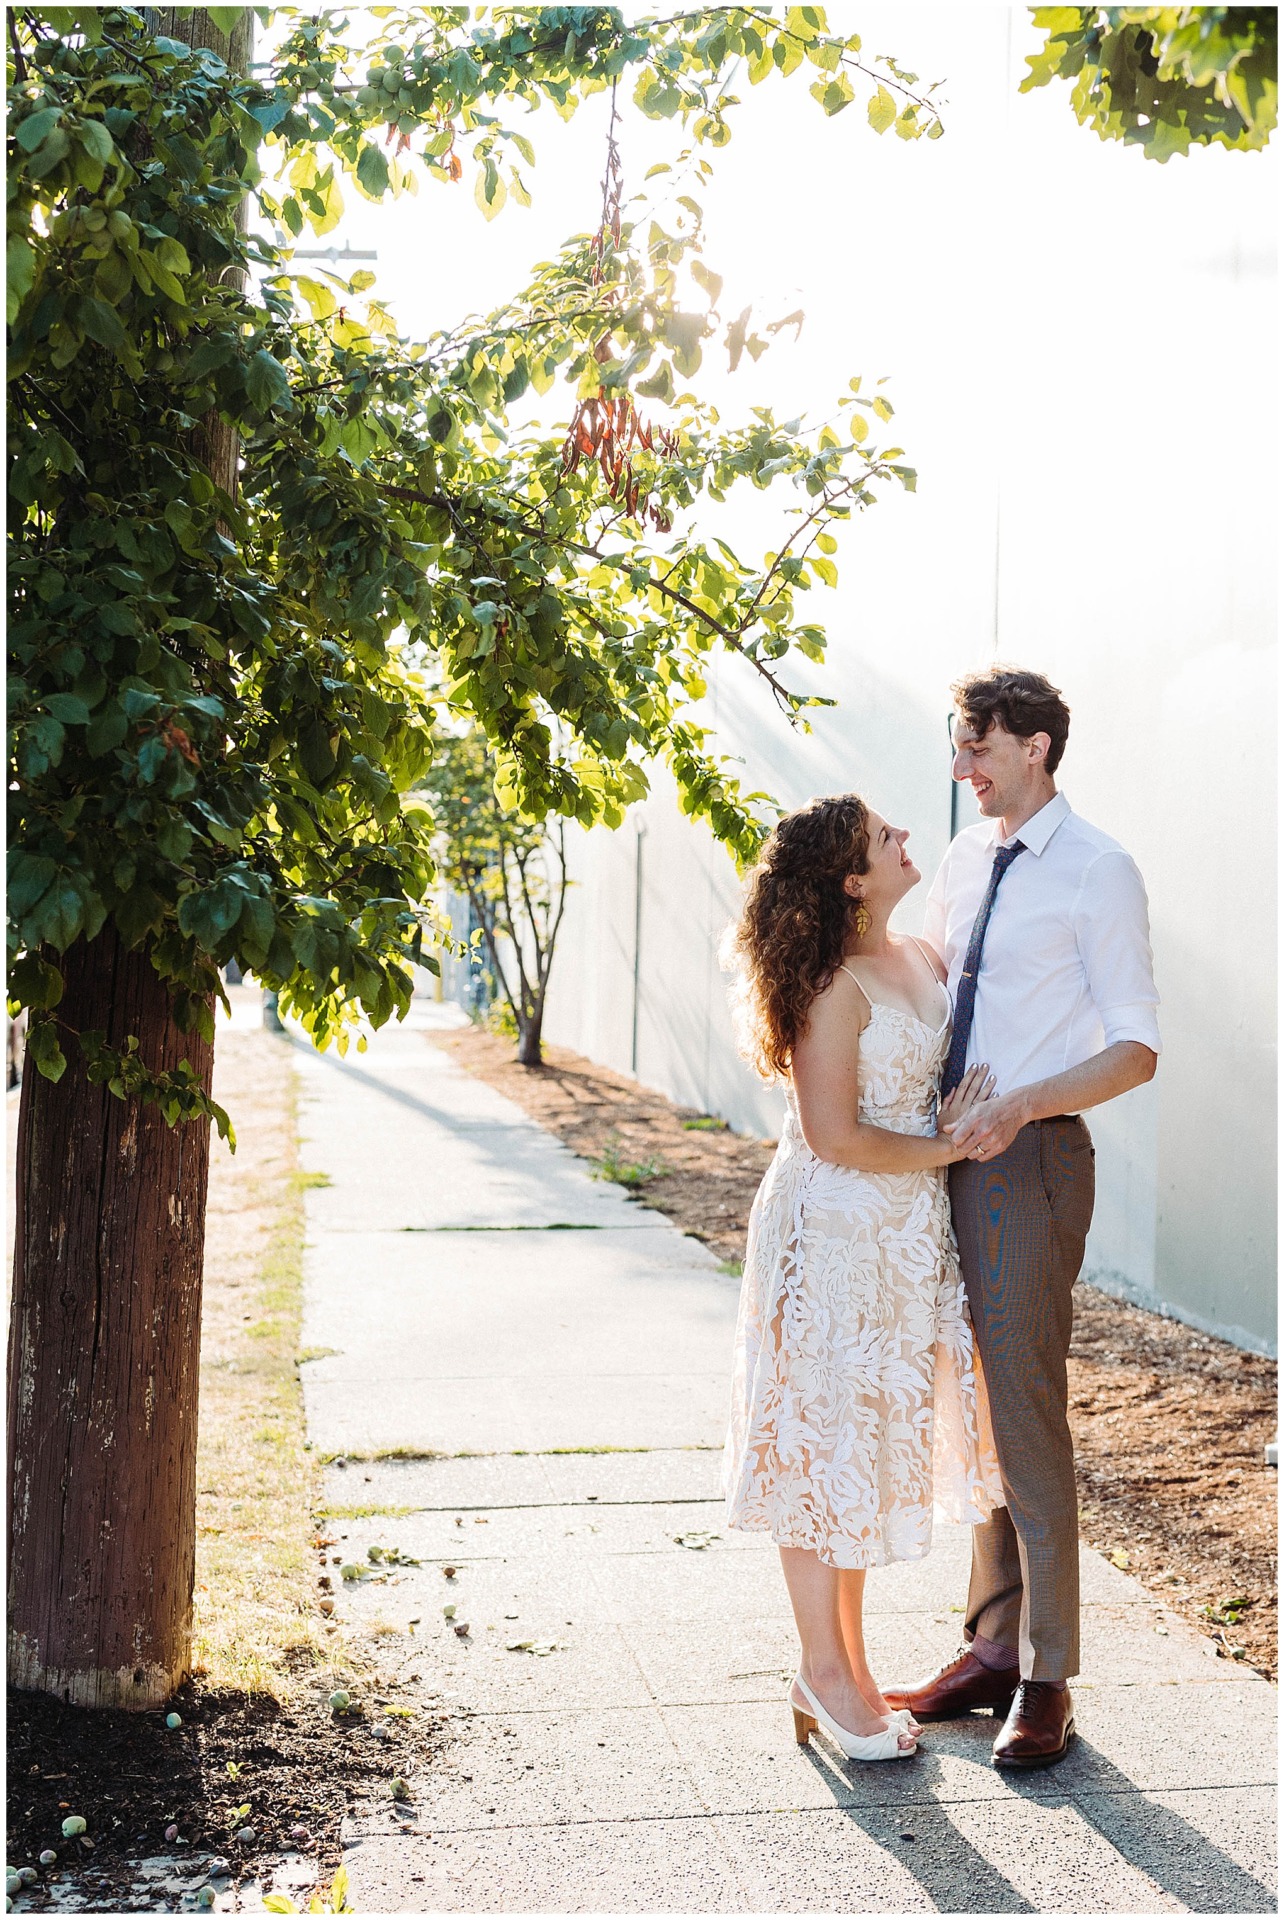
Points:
(1082, 347)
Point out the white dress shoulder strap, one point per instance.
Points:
(913, 937)
(852, 976)
(931, 967)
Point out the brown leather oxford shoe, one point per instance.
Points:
(957, 1688)
(1037, 1730)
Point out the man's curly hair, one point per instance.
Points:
(795, 924)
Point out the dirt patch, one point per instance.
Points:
(1170, 1425)
(130, 1777)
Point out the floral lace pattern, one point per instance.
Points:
(857, 1405)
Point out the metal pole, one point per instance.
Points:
(637, 940)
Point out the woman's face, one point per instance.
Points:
(891, 873)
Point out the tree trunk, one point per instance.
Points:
(104, 1346)
(530, 1027)
(104, 1339)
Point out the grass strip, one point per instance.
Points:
(256, 1626)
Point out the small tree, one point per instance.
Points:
(512, 869)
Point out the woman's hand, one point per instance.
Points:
(976, 1086)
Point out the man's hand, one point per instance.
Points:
(990, 1128)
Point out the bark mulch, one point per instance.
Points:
(1170, 1424)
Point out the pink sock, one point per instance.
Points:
(997, 1658)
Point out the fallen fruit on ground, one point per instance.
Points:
(340, 1700)
(74, 1824)
(173, 1721)
(48, 1858)
(400, 1789)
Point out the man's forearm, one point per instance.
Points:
(991, 1127)
(1113, 1071)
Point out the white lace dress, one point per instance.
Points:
(857, 1405)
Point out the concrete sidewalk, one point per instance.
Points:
(474, 1294)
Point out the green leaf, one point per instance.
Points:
(20, 272)
(30, 877)
(711, 282)
(44, 1049)
(267, 383)
(67, 708)
(320, 298)
(95, 139)
(882, 111)
(34, 982)
(105, 731)
(372, 170)
(226, 19)
(489, 190)
(101, 322)
(31, 131)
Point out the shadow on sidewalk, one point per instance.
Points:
(441, 1115)
(907, 1821)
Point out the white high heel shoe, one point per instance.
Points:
(874, 1746)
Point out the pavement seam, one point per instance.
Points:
(892, 1808)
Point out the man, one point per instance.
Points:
(1042, 922)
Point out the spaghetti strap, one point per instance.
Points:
(914, 939)
(852, 976)
(932, 970)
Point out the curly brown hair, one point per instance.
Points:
(795, 924)
(1022, 703)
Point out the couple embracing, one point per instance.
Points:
(903, 1331)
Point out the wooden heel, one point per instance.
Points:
(803, 1726)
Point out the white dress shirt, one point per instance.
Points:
(1066, 968)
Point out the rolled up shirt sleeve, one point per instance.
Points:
(1112, 930)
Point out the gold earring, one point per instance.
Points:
(862, 921)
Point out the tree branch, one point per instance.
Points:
(730, 636)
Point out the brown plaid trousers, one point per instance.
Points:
(1021, 1222)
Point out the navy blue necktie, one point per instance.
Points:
(966, 1004)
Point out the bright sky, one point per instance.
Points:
(862, 231)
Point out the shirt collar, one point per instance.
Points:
(1039, 828)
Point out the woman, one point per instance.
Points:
(856, 1402)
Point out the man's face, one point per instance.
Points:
(998, 765)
